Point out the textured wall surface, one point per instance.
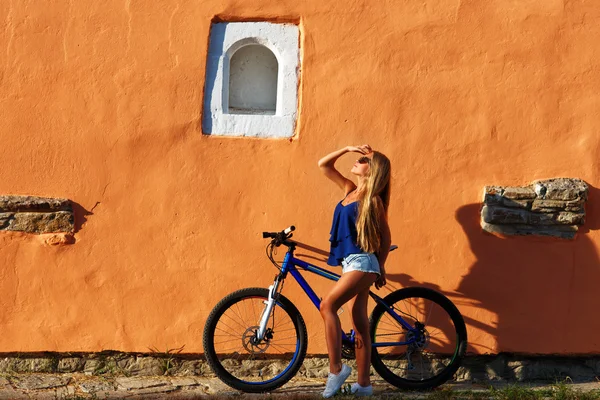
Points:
(100, 103)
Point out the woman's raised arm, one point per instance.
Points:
(327, 166)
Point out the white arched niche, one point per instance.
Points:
(253, 81)
(251, 86)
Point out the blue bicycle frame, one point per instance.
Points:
(292, 265)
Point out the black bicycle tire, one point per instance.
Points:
(210, 353)
(461, 332)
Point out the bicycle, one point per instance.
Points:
(263, 352)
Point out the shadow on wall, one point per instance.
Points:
(216, 38)
(79, 219)
(80, 215)
(543, 291)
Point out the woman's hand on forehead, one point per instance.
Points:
(364, 149)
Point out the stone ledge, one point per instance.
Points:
(507, 367)
(25, 203)
(553, 207)
(36, 214)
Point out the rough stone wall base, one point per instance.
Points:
(508, 367)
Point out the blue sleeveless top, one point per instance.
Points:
(343, 233)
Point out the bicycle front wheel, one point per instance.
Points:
(233, 352)
(434, 346)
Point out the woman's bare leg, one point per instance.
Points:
(362, 347)
(348, 286)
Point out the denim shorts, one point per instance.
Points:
(364, 262)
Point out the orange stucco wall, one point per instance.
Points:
(100, 102)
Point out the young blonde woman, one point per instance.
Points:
(360, 243)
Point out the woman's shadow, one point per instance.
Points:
(527, 294)
(540, 293)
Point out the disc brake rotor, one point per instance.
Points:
(250, 343)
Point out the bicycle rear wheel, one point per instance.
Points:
(234, 355)
(438, 345)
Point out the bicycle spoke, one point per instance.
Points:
(226, 341)
(222, 330)
(249, 361)
(233, 330)
(237, 321)
(430, 342)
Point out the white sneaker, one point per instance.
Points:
(358, 390)
(335, 382)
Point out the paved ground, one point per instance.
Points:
(79, 386)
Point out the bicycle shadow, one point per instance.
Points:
(539, 291)
(323, 253)
(529, 281)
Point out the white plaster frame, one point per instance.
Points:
(225, 39)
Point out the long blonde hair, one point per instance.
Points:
(369, 209)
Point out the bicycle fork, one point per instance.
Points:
(269, 304)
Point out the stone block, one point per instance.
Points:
(97, 386)
(561, 189)
(124, 363)
(503, 215)
(493, 190)
(43, 364)
(39, 382)
(575, 206)
(541, 219)
(561, 218)
(42, 222)
(203, 369)
(146, 366)
(71, 364)
(27, 203)
(91, 366)
(463, 374)
(558, 205)
(558, 369)
(492, 199)
(190, 367)
(559, 231)
(496, 368)
(315, 367)
(492, 195)
(569, 218)
(523, 204)
(5, 219)
(519, 193)
(127, 383)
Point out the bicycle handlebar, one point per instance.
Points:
(282, 236)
